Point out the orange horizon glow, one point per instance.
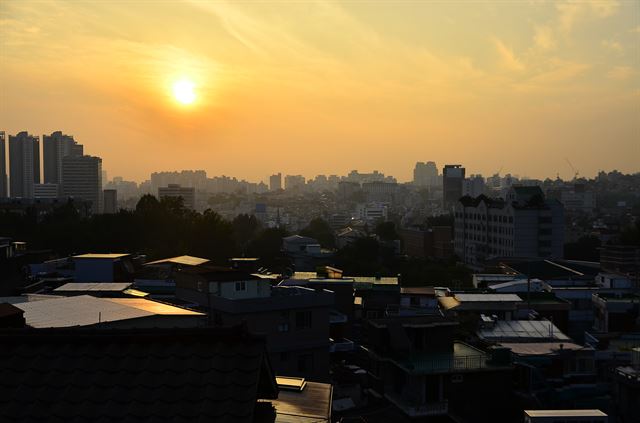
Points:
(324, 87)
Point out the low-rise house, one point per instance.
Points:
(157, 277)
(616, 312)
(112, 267)
(627, 389)
(294, 319)
(504, 306)
(99, 289)
(416, 364)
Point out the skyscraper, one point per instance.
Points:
(275, 182)
(452, 178)
(110, 201)
(425, 174)
(24, 164)
(54, 148)
(82, 178)
(3, 167)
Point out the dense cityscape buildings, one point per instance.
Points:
(441, 297)
(24, 164)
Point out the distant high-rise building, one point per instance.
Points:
(110, 201)
(82, 178)
(425, 174)
(54, 148)
(452, 179)
(3, 168)
(45, 191)
(275, 182)
(188, 194)
(294, 182)
(473, 186)
(24, 164)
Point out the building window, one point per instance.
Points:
(284, 322)
(303, 320)
(241, 286)
(457, 378)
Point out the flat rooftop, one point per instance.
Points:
(523, 330)
(487, 298)
(85, 310)
(183, 260)
(564, 413)
(111, 256)
(93, 286)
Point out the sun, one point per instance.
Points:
(183, 91)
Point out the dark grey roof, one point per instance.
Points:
(158, 375)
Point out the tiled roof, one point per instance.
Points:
(212, 375)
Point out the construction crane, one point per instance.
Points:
(575, 171)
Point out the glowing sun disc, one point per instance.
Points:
(183, 91)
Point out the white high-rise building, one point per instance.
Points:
(82, 178)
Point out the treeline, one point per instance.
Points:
(165, 228)
(157, 228)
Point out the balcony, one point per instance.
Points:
(463, 358)
(438, 408)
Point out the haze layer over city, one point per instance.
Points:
(320, 211)
(267, 87)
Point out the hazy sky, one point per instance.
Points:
(325, 87)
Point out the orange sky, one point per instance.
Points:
(326, 87)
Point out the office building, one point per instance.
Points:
(188, 194)
(3, 168)
(54, 148)
(45, 191)
(110, 201)
(526, 224)
(275, 182)
(24, 164)
(452, 181)
(425, 174)
(82, 178)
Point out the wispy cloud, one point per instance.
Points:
(612, 45)
(508, 58)
(621, 73)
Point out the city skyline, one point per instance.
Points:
(250, 90)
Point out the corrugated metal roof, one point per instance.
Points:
(565, 413)
(184, 260)
(487, 298)
(523, 329)
(102, 256)
(85, 310)
(93, 286)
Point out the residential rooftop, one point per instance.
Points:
(112, 256)
(182, 260)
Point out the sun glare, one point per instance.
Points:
(183, 91)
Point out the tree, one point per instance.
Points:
(386, 231)
(319, 229)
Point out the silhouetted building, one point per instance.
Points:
(3, 168)
(425, 174)
(54, 148)
(188, 194)
(275, 182)
(82, 178)
(24, 164)
(294, 182)
(452, 180)
(110, 199)
(48, 191)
